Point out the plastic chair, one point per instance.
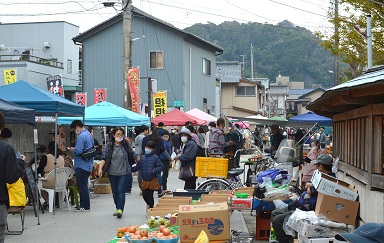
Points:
(62, 175)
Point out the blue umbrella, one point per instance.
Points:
(108, 114)
(312, 117)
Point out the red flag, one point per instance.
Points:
(81, 99)
(134, 88)
(100, 95)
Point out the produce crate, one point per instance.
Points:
(263, 225)
(211, 167)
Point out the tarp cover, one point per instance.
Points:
(312, 117)
(202, 115)
(15, 114)
(108, 114)
(177, 117)
(43, 102)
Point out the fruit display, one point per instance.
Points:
(161, 233)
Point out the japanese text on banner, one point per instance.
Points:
(81, 99)
(134, 88)
(160, 103)
(100, 95)
(10, 76)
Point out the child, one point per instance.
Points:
(165, 159)
(149, 166)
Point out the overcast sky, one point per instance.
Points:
(310, 14)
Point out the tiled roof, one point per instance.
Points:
(228, 72)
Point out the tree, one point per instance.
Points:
(352, 47)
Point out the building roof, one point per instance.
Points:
(362, 84)
(138, 12)
(228, 72)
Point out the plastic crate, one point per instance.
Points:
(263, 225)
(211, 167)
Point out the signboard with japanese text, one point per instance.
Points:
(134, 88)
(160, 103)
(81, 99)
(10, 76)
(55, 84)
(100, 95)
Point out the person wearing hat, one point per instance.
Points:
(187, 156)
(306, 202)
(175, 139)
(367, 233)
(322, 138)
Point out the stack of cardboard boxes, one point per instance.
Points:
(102, 186)
(336, 201)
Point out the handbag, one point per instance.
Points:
(89, 154)
(186, 173)
(16, 192)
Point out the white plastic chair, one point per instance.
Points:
(62, 176)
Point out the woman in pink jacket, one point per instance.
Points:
(312, 155)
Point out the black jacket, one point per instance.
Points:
(9, 170)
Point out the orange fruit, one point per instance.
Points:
(119, 234)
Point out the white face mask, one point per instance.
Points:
(173, 130)
(209, 128)
(184, 139)
(118, 139)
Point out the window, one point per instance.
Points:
(156, 59)
(245, 91)
(206, 67)
(69, 66)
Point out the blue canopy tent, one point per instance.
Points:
(108, 114)
(16, 114)
(312, 117)
(43, 102)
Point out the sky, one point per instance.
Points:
(310, 14)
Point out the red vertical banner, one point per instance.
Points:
(134, 88)
(81, 99)
(100, 95)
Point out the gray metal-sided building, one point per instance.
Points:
(182, 63)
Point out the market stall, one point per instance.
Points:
(177, 117)
(202, 115)
(16, 114)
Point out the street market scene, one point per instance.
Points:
(138, 128)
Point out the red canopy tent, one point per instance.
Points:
(177, 117)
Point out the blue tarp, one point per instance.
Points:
(312, 117)
(43, 102)
(16, 114)
(108, 114)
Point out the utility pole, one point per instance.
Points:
(149, 96)
(369, 40)
(251, 62)
(337, 42)
(243, 64)
(127, 30)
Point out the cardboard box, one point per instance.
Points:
(216, 198)
(307, 229)
(331, 186)
(168, 205)
(305, 239)
(104, 180)
(212, 218)
(241, 203)
(248, 190)
(161, 212)
(178, 200)
(220, 192)
(337, 209)
(102, 188)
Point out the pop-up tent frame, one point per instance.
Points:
(45, 104)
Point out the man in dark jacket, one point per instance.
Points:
(9, 173)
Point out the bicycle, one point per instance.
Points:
(233, 180)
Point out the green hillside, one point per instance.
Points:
(284, 48)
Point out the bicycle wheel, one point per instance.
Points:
(214, 184)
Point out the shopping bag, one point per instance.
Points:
(16, 192)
